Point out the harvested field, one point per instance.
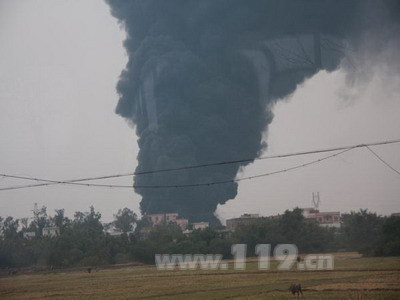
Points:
(354, 277)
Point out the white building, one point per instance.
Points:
(51, 231)
(29, 235)
(182, 223)
(200, 225)
(114, 232)
(327, 219)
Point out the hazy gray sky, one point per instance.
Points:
(59, 64)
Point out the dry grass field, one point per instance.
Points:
(354, 277)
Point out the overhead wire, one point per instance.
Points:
(382, 160)
(46, 182)
(194, 184)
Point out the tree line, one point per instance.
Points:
(83, 240)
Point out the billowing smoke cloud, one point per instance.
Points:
(202, 78)
(375, 54)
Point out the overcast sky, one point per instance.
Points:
(59, 64)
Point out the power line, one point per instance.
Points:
(46, 182)
(249, 177)
(195, 184)
(382, 160)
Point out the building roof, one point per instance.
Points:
(329, 213)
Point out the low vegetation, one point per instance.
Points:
(83, 241)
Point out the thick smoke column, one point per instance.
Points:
(202, 78)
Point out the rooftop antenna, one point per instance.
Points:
(316, 200)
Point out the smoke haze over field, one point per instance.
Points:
(202, 78)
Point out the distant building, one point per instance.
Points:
(113, 232)
(29, 235)
(244, 219)
(200, 225)
(166, 218)
(309, 211)
(50, 231)
(327, 219)
(223, 233)
(183, 223)
(157, 219)
(395, 215)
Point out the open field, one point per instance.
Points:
(353, 278)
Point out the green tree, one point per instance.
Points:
(82, 241)
(10, 228)
(260, 231)
(59, 219)
(362, 231)
(291, 224)
(290, 228)
(125, 219)
(40, 220)
(1, 224)
(391, 237)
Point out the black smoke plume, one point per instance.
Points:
(202, 78)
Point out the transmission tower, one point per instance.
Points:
(316, 200)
